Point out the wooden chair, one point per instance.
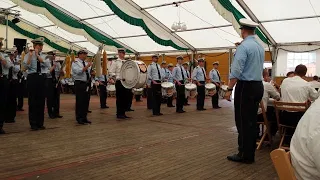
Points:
(290, 107)
(282, 163)
(265, 129)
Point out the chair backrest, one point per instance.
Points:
(287, 106)
(263, 110)
(282, 163)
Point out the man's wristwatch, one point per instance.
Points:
(230, 89)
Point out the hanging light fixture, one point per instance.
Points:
(178, 26)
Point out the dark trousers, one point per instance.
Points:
(4, 86)
(149, 98)
(103, 95)
(49, 92)
(180, 97)
(11, 101)
(82, 100)
(129, 98)
(248, 95)
(21, 89)
(215, 98)
(201, 95)
(169, 101)
(56, 99)
(156, 94)
(138, 98)
(121, 100)
(36, 99)
(89, 96)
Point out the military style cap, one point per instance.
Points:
(52, 53)
(38, 40)
(83, 51)
(155, 56)
(179, 57)
(164, 62)
(216, 63)
(201, 60)
(186, 63)
(170, 65)
(121, 50)
(247, 24)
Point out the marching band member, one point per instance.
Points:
(13, 84)
(215, 79)
(186, 67)
(179, 75)
(21, 87)
(121, 91)
(4, 84)
(36, 84)
(81, 75)
(53, 98)
(199, 77)
(103, 82)
(156, 76)
(170, 79)
(47, 69)
(246, 71)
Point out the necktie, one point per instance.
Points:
(187, 74)
(10, 73)
(87, 72)
(38, 66)
(158, 72)
(218, 75)
(182, 73)
(105, 79)
(203, 73)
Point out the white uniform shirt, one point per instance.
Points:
(269, 90)
(315, 84)
(115, 68)
(297, 90)
(305, 145)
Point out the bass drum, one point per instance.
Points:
(133, 74)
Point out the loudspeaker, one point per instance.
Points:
(19, 43)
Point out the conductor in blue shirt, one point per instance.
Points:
(36, 84)
(246, 71)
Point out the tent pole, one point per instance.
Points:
(7, 19)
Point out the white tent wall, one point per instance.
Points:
(13, 34)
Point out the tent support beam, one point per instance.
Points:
(88, 24)
(167, 4)
(290, 19)
(50, 33)
(254, 18)
(161, 25)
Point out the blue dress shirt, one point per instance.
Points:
(5, 68)
(177, 73)
(199, 74)
(214, 76)
(77, 71)
(153, 72)
(32, 67)
(248, 61)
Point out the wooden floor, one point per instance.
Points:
(192, 146)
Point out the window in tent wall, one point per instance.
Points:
(307, 58)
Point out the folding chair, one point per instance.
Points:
(290, 107)
(282, 163)
(265, 129)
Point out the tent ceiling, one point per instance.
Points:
(206, 28)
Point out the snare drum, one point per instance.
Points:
(111, 89)
(210, 89)
(168, 88)
(192, 89)
(223, 90)
(137, 91)
(133, 74)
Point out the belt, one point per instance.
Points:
(33, 74)
(157, 81)
(202, 82)
(81, 82)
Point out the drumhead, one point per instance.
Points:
(224, 87)
(133, 74)
(191, 86)
(167, 85)
(111, 87)
(210, 86)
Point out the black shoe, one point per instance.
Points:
(11, 121)
(186, 104)
(34, 129)
(121, 117)
(127, 117)
(201, 109)
(20, 109)
(81, 122)
(129, 110)
(52, 117)
(104, 107)
(216, 107)
(181, 111)
(59, 116)
(158, 114)
(89, 111)
(87, 121)
(2, 131)
(171, 106)
(42, 128)
(238, 158)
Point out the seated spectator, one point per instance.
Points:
(305, 145)
(315, 83)
(290, 74)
